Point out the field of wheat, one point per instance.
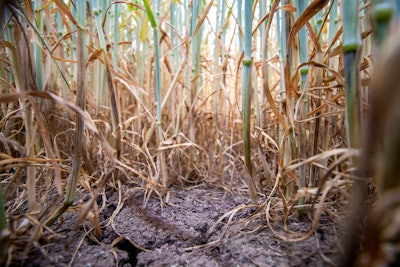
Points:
(283, 111)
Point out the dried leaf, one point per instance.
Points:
(65, 10)
(94, 55)
(308, 13)
(202, 18)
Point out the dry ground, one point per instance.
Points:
(185, 232)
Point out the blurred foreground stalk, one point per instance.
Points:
(351, 53)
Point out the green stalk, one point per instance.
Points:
(160, 138)
(173, 20)
(141, 50)
(224, 28)
(64, 90)
(254, 85)
(195, 71)
(186, 16)
(317, 21)
(382, 17)
(73, 42)
(37, 50)
(115, 32)
(246, 97)
(216, 68)
(195, 58)
(256, 97)
(156, 7)
(239, 16)
(116, 120)
(281, 58)
(351, 53)
(222, 31)
(99, 85)
(263, 95)
(333, 21)
(143, 53)
(265, 71)
(397, 9)
(382, 13)
(351, 50)
(104, 5)
(180, 94)
(100, 69)
(303, 48)
(263, 50)
(173, 60)
(157, 68)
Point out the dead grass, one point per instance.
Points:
(279, 146)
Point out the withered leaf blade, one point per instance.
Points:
(308, 13)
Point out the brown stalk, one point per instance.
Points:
(20, 64)
(116, 117)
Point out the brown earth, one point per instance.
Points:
(185, 232)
